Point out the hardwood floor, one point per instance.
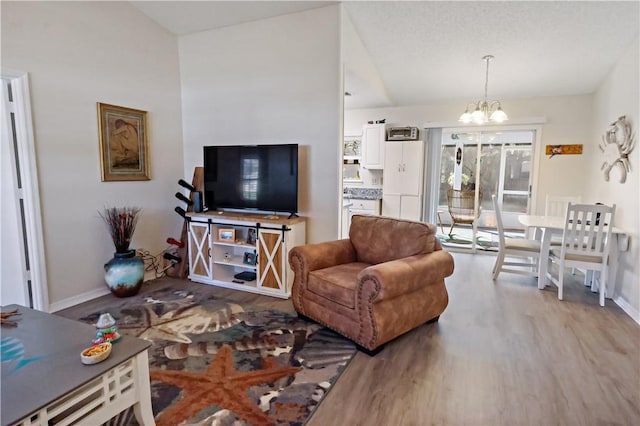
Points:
(503, 353)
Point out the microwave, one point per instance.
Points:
(402, 134)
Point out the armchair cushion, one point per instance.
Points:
(337, 283)
(394, 239)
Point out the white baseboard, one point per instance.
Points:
(90, 295)
(80, 298)
(625, 306)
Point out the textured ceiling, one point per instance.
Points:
(429, 52)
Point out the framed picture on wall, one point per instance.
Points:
(123, 140)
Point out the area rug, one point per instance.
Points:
(215, 362)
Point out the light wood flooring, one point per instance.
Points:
(503, 353)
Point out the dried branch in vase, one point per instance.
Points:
(121, 223)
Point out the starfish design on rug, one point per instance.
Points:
(220, 384)
(174, 325)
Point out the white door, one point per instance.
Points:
(14, 280)
(23, 268)
(489, 162)
(514, 183)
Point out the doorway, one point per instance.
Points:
(475, 165)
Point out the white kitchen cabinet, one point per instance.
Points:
(257, 245)
(358, 206)
(373, 142)
(402, 206)
(403, 179)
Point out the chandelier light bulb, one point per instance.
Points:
(465, 117)
(478, 116)
(499, 116)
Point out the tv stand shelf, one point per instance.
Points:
(224, 244)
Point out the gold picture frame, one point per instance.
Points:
(124, 147)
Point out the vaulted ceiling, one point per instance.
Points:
(431, 52)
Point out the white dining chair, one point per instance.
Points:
(523, 248)
(586, 242)
(556, 205)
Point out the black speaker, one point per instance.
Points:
(197, 202)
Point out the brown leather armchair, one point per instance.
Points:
(383, 281)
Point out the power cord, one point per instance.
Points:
(152, 261)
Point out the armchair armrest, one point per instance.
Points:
(311, 257)
(402, 276)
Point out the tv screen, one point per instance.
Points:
(257, 177)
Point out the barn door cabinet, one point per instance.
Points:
(223, 245)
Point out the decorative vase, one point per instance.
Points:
(124, 274)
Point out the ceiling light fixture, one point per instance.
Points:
(484, 110)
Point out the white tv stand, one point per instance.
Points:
(216, 261)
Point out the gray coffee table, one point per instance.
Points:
(43, 378)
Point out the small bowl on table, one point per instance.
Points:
(96, 353)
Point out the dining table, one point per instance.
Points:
(554, 225)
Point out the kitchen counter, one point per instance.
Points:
(363, 193)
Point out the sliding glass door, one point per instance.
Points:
(475, 165)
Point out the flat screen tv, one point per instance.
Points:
(255, 177)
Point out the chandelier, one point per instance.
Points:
(484, 110)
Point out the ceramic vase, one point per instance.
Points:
(124, 274)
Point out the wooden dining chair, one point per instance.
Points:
(523, 248)
(586, 242)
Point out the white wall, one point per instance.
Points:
(568, 121)
(619, 95)
(361, 77)
(77, 54)
(271, 81)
